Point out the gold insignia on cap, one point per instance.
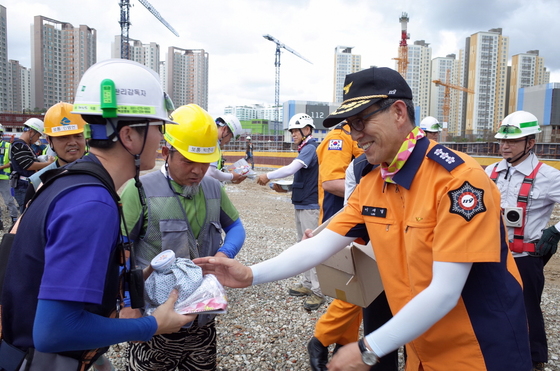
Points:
(350, 106)
(347, 87)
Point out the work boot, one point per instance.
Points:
(538, 366)
(313, 302)
(318, 355)
(300, 290)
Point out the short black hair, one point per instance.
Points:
(110, 143)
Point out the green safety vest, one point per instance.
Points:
(5, 155)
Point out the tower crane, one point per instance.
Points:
(402, 60)
(125, 24)
(280, 46)
(447, 95)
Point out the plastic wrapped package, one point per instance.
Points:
(170, 273)
(196, 294)
(210, 297)
(242, 167)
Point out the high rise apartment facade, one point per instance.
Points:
(527, 69)
(4, 73)
(19, 88)
(146, 54)
(446, 101)
(418, 75)
(60, 54)
(487, 77)
(344, 63)
(187, 76)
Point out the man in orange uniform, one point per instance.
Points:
(441, 246)
(341, 323)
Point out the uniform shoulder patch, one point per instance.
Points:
(445, 157)
(335, 144)
(467, 201)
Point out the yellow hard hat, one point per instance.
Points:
(196, 136)
(59, 121)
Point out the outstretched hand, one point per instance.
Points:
(262, 179)
(229, 272)
(167, 319)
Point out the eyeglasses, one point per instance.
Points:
(510, 142)
(359, 123)
(160, 124)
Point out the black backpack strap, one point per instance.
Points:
(82, 167)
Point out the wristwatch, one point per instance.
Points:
(368, 356)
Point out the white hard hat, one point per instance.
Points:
(35, 124)
(232, 123)
(248, 138)
(430, 124)
(129, 89)
(518, 124)
(300, 120)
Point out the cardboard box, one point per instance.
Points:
(351, 275)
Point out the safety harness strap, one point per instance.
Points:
(522, 199)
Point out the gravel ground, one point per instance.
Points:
(266, 329)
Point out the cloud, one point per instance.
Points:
(242, 62)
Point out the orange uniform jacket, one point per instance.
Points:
(445, 208)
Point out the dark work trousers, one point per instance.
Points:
(375, 316)
(531, 270)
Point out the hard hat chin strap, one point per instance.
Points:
(526, 151)
(137, 159)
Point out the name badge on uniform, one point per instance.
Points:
(379, 212)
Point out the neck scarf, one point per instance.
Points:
(304, 142)
(389, 171)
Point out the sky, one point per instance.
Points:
(241, 61)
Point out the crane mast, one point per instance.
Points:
(402, 60)
(279, 46)
(125, 24)
(447, 95)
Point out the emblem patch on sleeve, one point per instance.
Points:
(467, 201)
(335, 144)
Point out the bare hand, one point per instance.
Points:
(308, 233)
(167, 319)
(262, 179)
(278, 188)
(229, 272)
(237, 178)
(348, 358)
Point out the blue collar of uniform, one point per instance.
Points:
(405, 176)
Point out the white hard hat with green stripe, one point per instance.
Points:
(122, 88)
(518, 124)
(430, 124)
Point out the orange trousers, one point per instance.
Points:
(340, 324)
